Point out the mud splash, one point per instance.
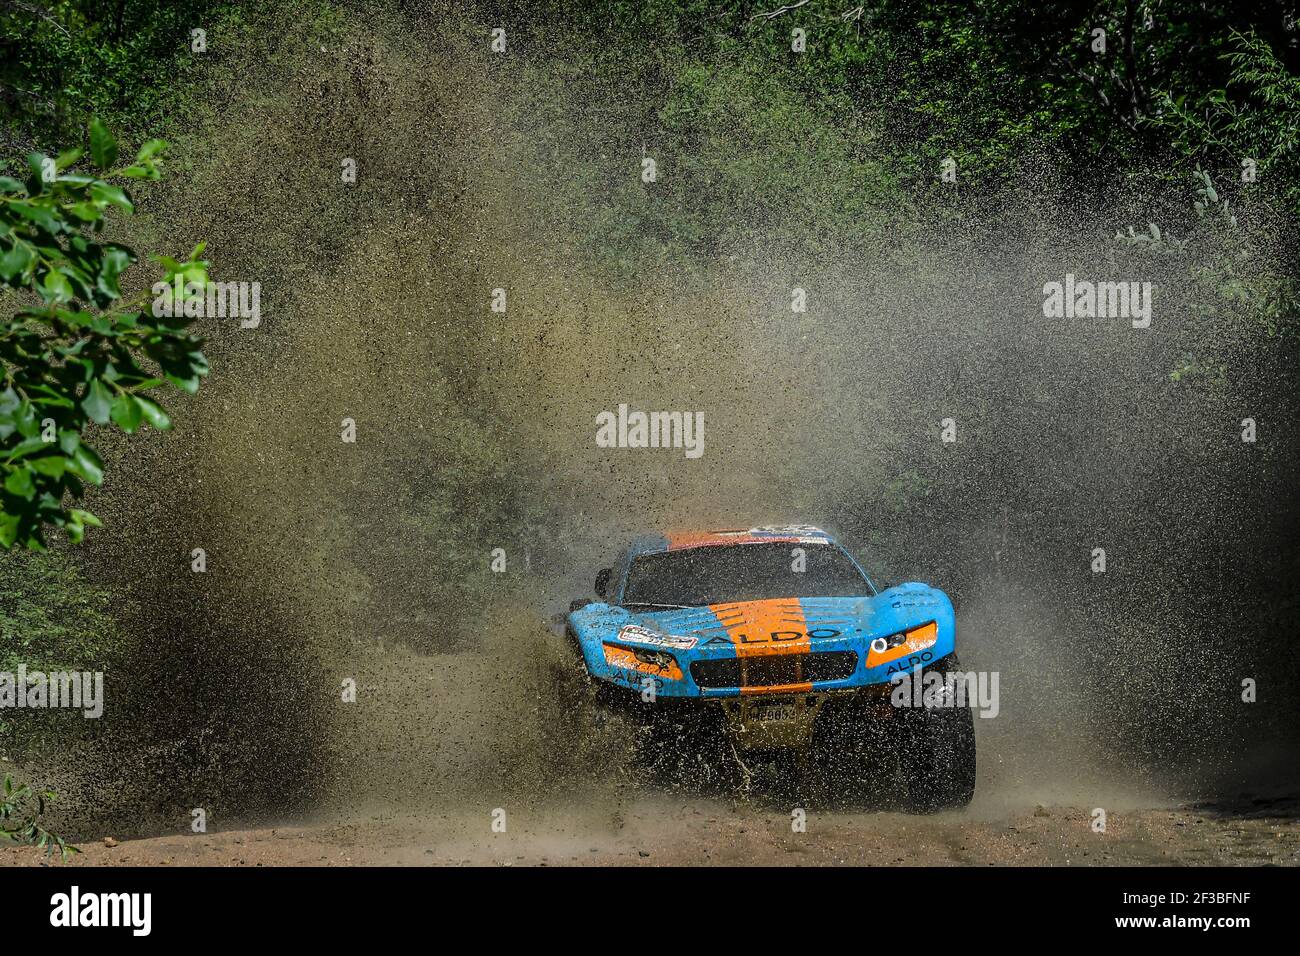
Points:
(369, 561)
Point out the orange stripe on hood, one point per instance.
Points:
(680, 540)
(758, 628)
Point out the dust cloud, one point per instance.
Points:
(369, 561)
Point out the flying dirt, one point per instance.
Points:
(351, 680)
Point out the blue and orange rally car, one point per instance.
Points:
(781, 639)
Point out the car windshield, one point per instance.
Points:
(722, 574)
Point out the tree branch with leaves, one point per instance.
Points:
(80, 354)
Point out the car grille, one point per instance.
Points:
(774, 670)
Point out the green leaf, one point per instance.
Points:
(55, 287)
(86, 210)
(52, 466)
(79, 281)
(15, 262)
(38, 213)
(126, 412)
(27, 447)
(76, 530)
(108, 193)
(36, 181)
(188, 383)
(103, 147)
(47, 395)
(86, 464)
(150, 149)
(19, 483)
(117, 257)
(154, 413)
(115, 260)
(86, 518)
(98, 402)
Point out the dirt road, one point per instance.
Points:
(435, 745)
(658, 829)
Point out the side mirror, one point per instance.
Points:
(602, 581)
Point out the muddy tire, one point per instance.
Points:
(937, 758)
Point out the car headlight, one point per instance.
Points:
(644, 660)
(659, 659)
(900, 644)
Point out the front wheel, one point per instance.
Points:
(938, 758)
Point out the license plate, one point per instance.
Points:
(775, 711)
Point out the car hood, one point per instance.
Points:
(787, 622)
(676, 647)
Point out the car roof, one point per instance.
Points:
(775, 534)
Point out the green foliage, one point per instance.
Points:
(752, 161)
(21, 810)
(83, 354)
(51, 617)
(815, 152)
(1252, 117)
(1235, 286)
(748, 163)
(1237, 280)
(992, 84)
(62, 61)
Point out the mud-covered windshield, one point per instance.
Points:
(720, 574)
